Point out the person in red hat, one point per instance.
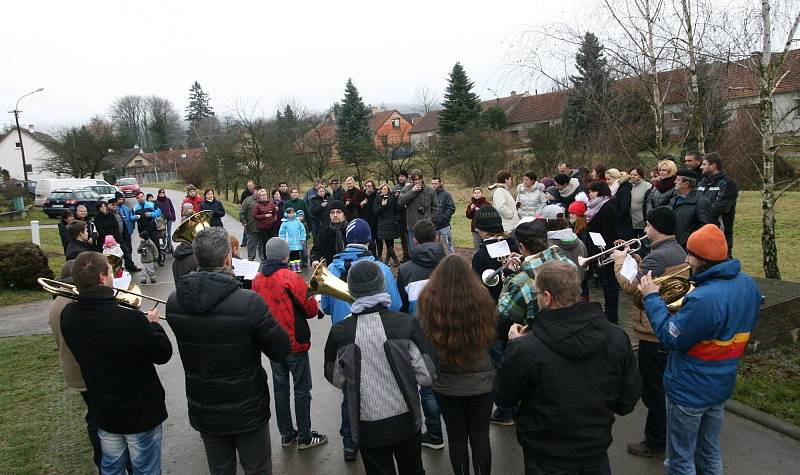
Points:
(706, 338)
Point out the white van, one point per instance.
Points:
(45, 185)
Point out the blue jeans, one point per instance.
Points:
(446, 236)
(143, 450)
(496, 353)
(433, 416)
(344, 429)
(297, 365)
(693, 439)
(410, 241)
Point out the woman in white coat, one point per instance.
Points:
(503, 201)
(530, 196)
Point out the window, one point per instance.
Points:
(797, 108)
(139, 163)
(17, 145)
(384, 140)
(395, 123)
(676, 116)
(514, 135)
(29, 168)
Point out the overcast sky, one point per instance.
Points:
(87, 53)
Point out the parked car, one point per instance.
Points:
(106, 192)
(45, 185)
(29, 186)
(129, 186)
(67, 198)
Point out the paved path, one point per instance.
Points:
(27, 228)
(748, 447)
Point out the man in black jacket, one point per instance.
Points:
(692, 210)
(571, 371)
(222, 330)
(721, 192)
(78, 239)
(116, 349)
(332, 237)
(447, 208)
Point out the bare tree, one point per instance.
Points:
(316, 150)
(425, 100)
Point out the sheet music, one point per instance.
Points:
(629, 268)
(498, 249)
(123, 282)
(598, 240)
(246, 269)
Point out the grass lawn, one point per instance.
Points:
(770, 381)
(42, 429)
(51, 244)
(33, 214)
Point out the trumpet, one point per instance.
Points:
(607, 257)
(130, 298)
(491, 277)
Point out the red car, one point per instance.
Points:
(129, 186)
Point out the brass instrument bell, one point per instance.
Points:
(323, 282)
(192, 225)
(674, 286)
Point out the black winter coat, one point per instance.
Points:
(424, 259)
(76, 247)
(325, 244)
(572, 371)
(691, 214)
(622, 201)
(217, 211)
(605, 223)
(63, 233)
(481, 262)
(183, 261)
(319, 213)
(222, 330)
(386, 218)
(721, 192)
(116, 348)
(107, 225)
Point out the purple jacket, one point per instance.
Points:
(167, 210)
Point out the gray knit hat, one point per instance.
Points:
(365, 278)
(277, 249)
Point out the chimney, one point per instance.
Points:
(136, 147)
(513, 93)
(30, 129)
(374, 109)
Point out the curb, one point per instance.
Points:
(769, 421)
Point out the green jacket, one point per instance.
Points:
(299, 205)
(246, 215)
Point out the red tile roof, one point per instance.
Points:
(538, 108)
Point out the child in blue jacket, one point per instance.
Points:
(293, 232)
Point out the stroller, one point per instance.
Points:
(163, 241)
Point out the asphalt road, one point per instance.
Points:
(748, 448)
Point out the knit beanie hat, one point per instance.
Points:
(109, 241)
(335, 204)
(578, 208)
(553, 191)
(488, 219)
(365, 278)
(277, 249)
(663, 220)
(358, 232)
(708, 243)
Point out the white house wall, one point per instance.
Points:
(35, 153)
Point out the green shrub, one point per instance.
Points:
(21, 263)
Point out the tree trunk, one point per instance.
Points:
(658, 103)
(765, 77)
(697, 106)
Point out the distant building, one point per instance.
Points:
(36, 152)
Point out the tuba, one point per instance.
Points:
(192, 225)
(322, 282)
(674, 285)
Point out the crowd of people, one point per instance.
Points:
(439, 345)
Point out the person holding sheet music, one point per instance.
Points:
(665, 254)
(601, 215)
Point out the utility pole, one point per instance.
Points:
(16, 112)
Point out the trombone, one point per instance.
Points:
(607, 257)
(130, 298)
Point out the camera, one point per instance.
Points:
(421, 210)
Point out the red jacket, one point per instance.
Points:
(471, 212)
(195, 202)
(271, 289)
(260, 212)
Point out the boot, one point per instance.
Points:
(394, 259)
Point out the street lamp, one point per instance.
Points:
(16, 112)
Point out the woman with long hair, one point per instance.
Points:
(621, 189)
(457, 314)
(602, 217)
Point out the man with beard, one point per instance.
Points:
(332, 237)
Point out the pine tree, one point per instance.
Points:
(590, 98)
(353, 137)
(462, 107)
(199, 107)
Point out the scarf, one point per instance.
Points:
(614, 188)
(339, 231)
(665, 184)
(594, 206)
(364, 303)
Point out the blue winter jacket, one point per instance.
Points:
(339, 309)
(126, 213)
(707, 335)
(293, 232)
(153, 208)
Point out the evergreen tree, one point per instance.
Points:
(462, 108)
(199, 107)
(591, 96)
(353, 137)
(494, 118)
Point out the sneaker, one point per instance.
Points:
(152, 281)
(287, 440)
(316, 439)
(432, 442)
(143, 281)
(501, 421)
(640, 449)
(350, 455)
